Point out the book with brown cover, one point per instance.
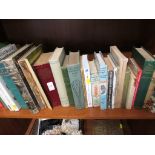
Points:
(44, 73)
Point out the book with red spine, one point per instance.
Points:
(44, 73)
(138, 73)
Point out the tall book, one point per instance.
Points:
(86, 71)
(147, 63)
(26, 62)
(95, 84)
(103, 77)
(74, 73)
(131, 89)
(67, 81)
(56, 62)
(122, 63)
(8, 97)
(7, 50)
(138, 73)
(44, 73)
(15, 80)
(115, 78)
(126, 85)
(110, 82)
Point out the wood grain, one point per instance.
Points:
(72, 113)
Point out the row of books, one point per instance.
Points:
(32, 79)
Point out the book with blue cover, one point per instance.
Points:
(103, 77)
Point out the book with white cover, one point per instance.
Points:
(86, 69)
(7, 97)
(56, 62)
(122, 62)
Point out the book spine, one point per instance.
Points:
(68, 86)
(88, 86)
(95, 90)
(103, 74)
(1, 103)
(110, 89)
(76, 85)
(46, 80)
(58, 77)
(8, 97)
(13, 72)
(7, 50)
(32, 83)
(136, 86)
(130, 93)
(11, 85)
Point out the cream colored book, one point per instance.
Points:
(131, 90)
(26, 63)
(95, 84)
(56, 62)
(86, 69)
(122, 62)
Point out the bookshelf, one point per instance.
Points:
(88, 36)
(72, 113)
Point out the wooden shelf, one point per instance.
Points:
(89, 113)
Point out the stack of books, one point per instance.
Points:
(33, 79)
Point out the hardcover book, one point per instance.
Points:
(87, 83)
(103, 77)
(95, 84)
(56, 62)
(138, 73)
(14, 75)
(147, 63)
(7, 50)
(115, 78)
(131, 89)
(8, 97)
(67, 81)
(46, 79)
(126, 85)
(76, 79)
(110, 82)
(122, 63)
(26, 62)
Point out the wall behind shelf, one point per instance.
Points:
(86, 35)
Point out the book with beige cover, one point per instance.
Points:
(122, 62)
(56, 63)
(26, 63)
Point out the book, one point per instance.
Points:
(103, 78)
(26, 62)
(56, 62)
(87, 83)
(8, 98)
(147, 63)
(115, 78)
(74, 73)
(138, 73)
(95, 84)
(7, 50)
(121, 60)
(14, 76)
(67, 81)
(45, 76)
(110, 82)
(1, 103)
(131, 90)
(126, 85)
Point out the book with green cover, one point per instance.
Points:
(75, 79)
(125, 88)
(67, 81)
(147, 63)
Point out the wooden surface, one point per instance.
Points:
(89, 113)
